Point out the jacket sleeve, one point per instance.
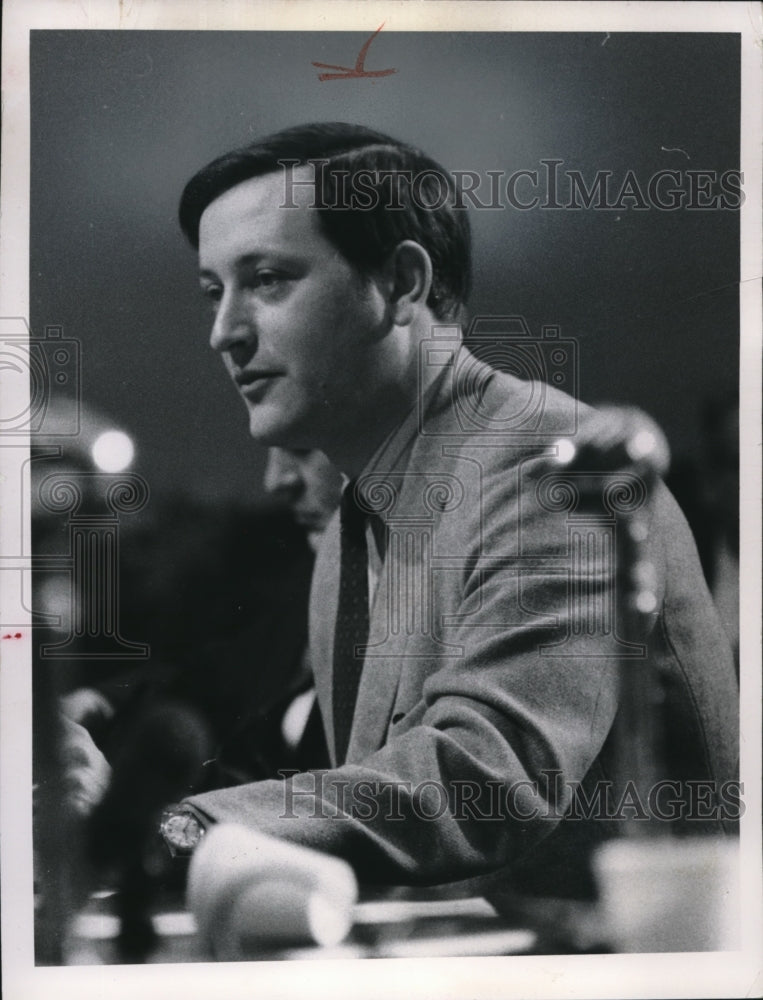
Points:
(480, 767)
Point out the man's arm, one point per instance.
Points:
(460, 786)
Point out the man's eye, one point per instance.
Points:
(268, 279)
(212, 293)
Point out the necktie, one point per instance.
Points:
(352, 617)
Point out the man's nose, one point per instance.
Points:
(234, 325)
(282, 473)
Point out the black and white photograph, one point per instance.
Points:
(381, 495)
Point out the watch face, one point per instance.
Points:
(181, 830)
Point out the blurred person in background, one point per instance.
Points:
(252, 686)
(310, 485)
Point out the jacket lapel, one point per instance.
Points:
(407, 451)
(324, 599)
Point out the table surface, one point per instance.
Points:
(383, 927)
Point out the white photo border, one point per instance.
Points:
(707, 975)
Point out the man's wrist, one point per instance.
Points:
(182, 829)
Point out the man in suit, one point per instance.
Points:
(465, 635)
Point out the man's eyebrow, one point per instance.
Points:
(246, 260)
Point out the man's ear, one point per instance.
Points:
(409, 280)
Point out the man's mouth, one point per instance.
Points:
(308, 519)
(253, 382)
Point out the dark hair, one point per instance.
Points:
(367, 226)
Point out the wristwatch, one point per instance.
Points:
(181, 829)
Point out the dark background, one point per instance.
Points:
(120, 121)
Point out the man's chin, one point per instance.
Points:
(314, 539)
(270, 429)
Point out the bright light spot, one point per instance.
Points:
(565, 451)
(641, 444)
(113, 451)
(646, 602)
(638, 531)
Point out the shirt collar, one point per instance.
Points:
(389, 453)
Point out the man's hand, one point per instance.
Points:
(87, 707)
(86, 771)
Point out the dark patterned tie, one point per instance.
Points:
(351, 618)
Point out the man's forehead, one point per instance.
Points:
(262, 205)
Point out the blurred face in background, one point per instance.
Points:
(308, 483)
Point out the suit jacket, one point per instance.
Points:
(488, 721)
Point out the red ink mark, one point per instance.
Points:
(357, 71)
(16, 636)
